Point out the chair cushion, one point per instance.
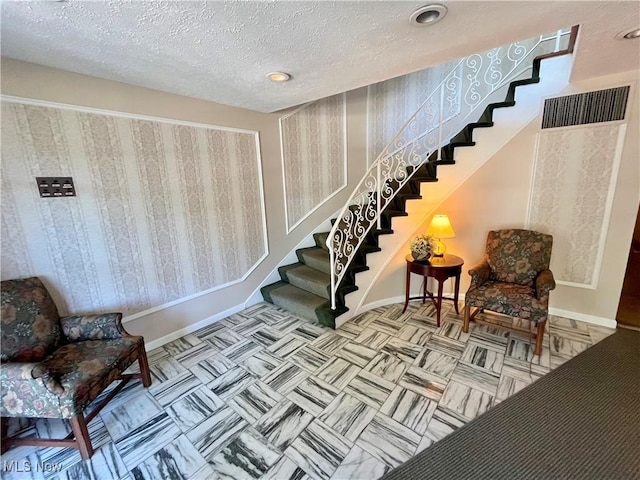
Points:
(81, 370)
(30, 321)
(509, 299)
(518, 256)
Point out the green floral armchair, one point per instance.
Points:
(513, 279)
(54, 367)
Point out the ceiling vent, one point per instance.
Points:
(584, 108)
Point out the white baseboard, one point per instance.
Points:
(192, 328)
(583, 317)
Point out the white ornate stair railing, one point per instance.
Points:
(441, 116)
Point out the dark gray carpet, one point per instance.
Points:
(581, 421)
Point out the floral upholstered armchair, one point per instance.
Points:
(54, 367)
(513, 279)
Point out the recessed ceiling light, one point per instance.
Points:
(278, 76)
(428, 15)
(629, 34)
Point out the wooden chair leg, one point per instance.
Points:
(467, 315)
(79, 427)
(144, 367)
(539, 338)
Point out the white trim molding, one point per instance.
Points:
(330, 195)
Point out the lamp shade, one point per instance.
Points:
(440, 227)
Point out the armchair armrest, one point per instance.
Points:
(28, 390)
(479, 274)
(93, 327)
(544, 284)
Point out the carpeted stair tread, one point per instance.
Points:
(321, 240)
(309, 279)
(315, 257)
(297, 301)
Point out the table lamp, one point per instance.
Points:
(440, 227)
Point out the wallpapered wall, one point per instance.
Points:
(314, 159)
(573, 186)
(164, 210)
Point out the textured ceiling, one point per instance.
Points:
(221, 50)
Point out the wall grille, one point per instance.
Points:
(584, 108)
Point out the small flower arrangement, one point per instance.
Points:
(421, 247)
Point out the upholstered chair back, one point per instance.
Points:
(30, 321)
(518, 256)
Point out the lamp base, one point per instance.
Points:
(439, 248)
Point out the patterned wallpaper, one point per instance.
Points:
(572, 192)
(164, 210)
(314, 159)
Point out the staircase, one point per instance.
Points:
(305, 287)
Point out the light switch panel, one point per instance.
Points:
(56, 187)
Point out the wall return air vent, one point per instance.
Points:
(584, 108)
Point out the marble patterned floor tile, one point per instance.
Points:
(212, 435)
(168, 392)
(476, 378)
(147, 439)
(262, 363)
(193, 408)
(452, 330)
(231, 383)
(212, 367)
(309, 358)
(178, 459)
(123, 419)
(519, 353)
(370, 389)
(483, 358)
(465, 400)
(598, 333)
(313, 395)
(310, 331)
(348, 416)
(403, 350)
(235, 319)
(566, 348)
(389, 441)
(287, 346)
(338, 372)
(249, 327)
(194, 355)
(105, 463)
(267, 336)
(357, 354)
(205, 473)
(318, 450)
(423, 383)
(372, 338)
(415, 335)
(351, 328)
(283, 423)
(285, 469)
(410, 409)
(254, 401)
(451, 347)
(359, 464)
(509, 385)
(209, 330)
(363, 320)
(329, 343)
(166, 369)
(224, 338)
(387, 366)
(490, 334)
(157, 354)
(436, 362)
(285, 378)
(443, 422)
(242, 350)
(181, 344)
(287, 324)
(386, 325)
(248, 456)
